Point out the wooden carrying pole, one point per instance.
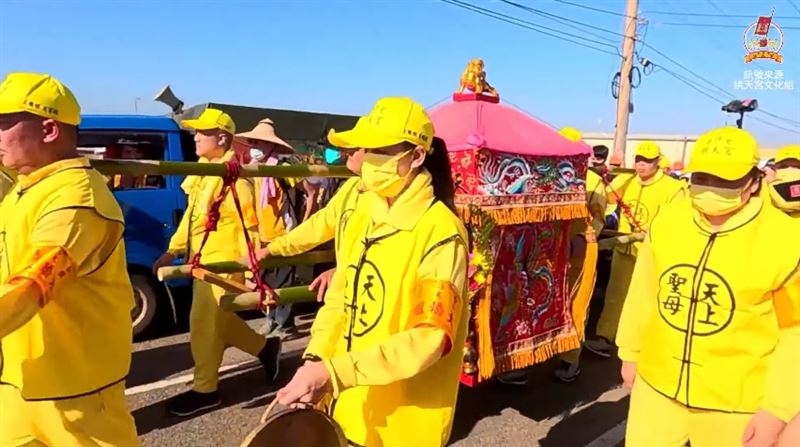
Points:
(237, 302)
(608, 244)
(310, 258)
(155, 167)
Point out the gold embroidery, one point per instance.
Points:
(46, 267)
(437, 305)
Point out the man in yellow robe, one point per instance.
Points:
(644, 194)
(211, 328)
(65, 294)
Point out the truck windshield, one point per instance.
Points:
(125, 145)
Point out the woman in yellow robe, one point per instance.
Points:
(387, 343)
(710, 330)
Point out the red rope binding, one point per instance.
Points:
(212, 219)
(626, 210)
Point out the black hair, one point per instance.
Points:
(600, 151)
(757, 175)
(437, 162)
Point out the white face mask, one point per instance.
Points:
(256, 154)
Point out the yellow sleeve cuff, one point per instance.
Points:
(628, 355)
(343, 373)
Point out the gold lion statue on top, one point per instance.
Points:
(474, 78)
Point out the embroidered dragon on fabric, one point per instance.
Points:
(560, 175)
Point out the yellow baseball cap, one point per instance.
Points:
(392, 120)
(727, 152)
(41, 95)
(211, 119)
(648, 149)
(571, 133)
(788, 152)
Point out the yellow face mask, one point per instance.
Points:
(379, 174)
(714, 201)
(785, 189)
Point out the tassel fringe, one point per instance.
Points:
(523, 215)
(527, 357)
(581, 293)
(484, 329)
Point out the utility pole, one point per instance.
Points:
(623, 102)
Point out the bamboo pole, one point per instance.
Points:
(156, 167)
(233, 302)
(310, 258)
(614, 170)
(608, 244)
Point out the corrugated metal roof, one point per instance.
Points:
(296, 127)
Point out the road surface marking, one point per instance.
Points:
(186, 378)
(610, 438)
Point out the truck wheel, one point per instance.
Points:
(146, 302)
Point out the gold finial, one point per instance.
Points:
(474, 79)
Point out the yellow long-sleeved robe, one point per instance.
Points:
(65, 303)
(644, 200)
(394, 347)
(712, 319)
(212, 329)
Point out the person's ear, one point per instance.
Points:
(755, 184)
(50, 131)
(418, 157)
(223, 139)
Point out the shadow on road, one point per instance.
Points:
(587, 425)
(155, 364)
(236, 389)
(541, 398)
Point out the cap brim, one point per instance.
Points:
(282, 147)
(728, 171)
(198, 125)
(647, 155)
(9, 107)
(362, 137)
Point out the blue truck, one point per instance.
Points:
(154, 206)
(152, 209)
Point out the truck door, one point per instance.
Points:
(150, 204)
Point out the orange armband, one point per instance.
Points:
(45, 267)
(437, 304)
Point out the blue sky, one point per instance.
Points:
(340, 56)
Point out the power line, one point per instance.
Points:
(687, 69)
(730, 16)
(715, 86)
(531, 26)
(718, 25)
(562, 19)
(700, 90)
(536, 25)
(778, 117)
(791, 2)
(691, 84)
(715, 6)
(590, 8)
(774, 125)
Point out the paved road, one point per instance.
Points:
(588, 412)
